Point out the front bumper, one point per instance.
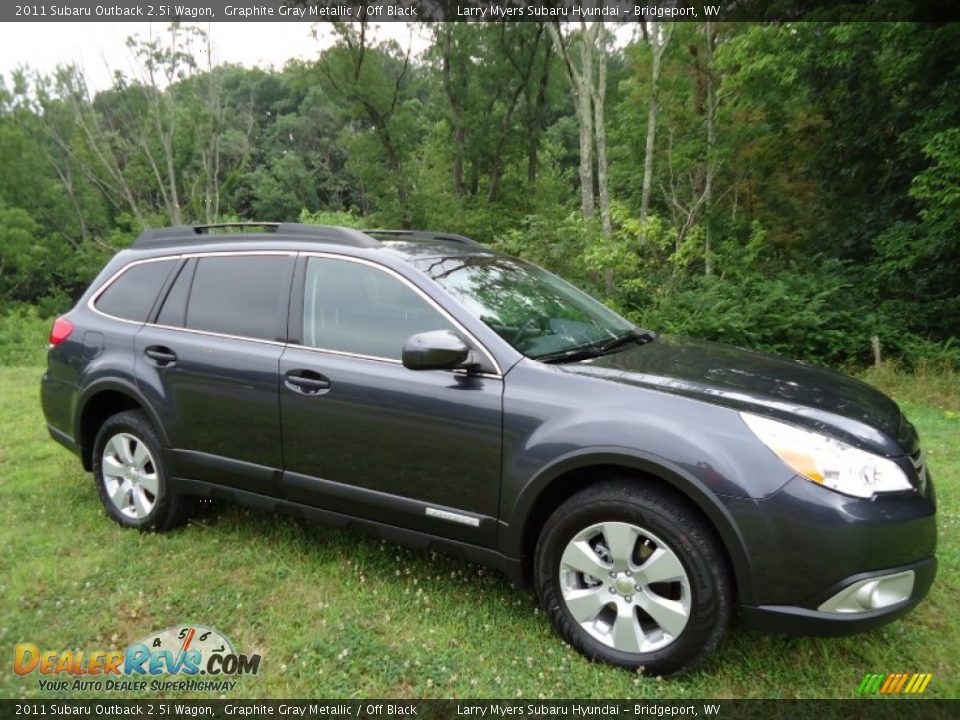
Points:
(794, 620)
(806, 544)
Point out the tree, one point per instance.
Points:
(589, 92)
(374, 82)
(581, 79)
(456, 47)
(659, 35)
(161, 65)
(709, 32)
(598, 96)
(810, 166)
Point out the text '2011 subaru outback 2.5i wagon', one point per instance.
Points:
(431, 391)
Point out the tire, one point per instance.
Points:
(131, 475)
(625, 535)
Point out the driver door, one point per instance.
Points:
(365, 436)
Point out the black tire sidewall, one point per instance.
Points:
(691, 541)
(136, 424)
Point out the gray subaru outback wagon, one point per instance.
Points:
(424, 388)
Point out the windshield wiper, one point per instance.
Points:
(572, 355)
(597, 349)
(641, 337)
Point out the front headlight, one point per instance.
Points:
(826, 461)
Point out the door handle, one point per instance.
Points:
(162, 356)
(306, 382)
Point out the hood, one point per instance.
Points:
(802, 394)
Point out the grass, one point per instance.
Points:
(338, 615)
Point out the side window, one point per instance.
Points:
(355, 308)
(174, 310)
(240, 295)
(131, 295)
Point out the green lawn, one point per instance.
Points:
(338, 615)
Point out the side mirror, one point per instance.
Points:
(434, 350)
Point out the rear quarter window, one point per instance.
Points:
(131, 295)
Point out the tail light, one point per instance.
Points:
(60, 331)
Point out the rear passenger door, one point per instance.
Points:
(208, 363)
(367, 437)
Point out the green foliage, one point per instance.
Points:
(281, 189)
(753, 310)
(23, 336)
(834, 169)
(22, 259)
(937, 188)
(554, 242)
(343, 218)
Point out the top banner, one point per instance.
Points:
(481, 11)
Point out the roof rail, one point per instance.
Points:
(427, 235)
(201, 229)
(321, 233)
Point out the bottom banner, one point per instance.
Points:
(326, 709)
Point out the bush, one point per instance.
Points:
(23, 336)
(924, 356)
(556, 242)
(341, 218)
(805, 314)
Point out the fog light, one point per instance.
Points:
(872, 594)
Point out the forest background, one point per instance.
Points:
(790, 187)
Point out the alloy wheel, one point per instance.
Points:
(130, 475)
(625, 587)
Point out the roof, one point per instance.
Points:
(407, 243)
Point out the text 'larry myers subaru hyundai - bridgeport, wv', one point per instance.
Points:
(426, 389)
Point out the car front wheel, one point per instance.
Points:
(631, 575)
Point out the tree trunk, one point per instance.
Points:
(599, 128)
(497, 169)
(111, 180)
(453, 90)
(163, 105)
(586, 127)
(580, 89)
(396, 166)
(659, 39)
(599, 94)
(710, 33)
(176, 212)
(523, 64)
(216, 112)
(459, 142)
(537, 120)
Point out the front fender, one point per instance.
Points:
(513, 533)
(707, 444)
(556, 422)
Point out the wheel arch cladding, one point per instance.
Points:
(99, 403)
(546, 492)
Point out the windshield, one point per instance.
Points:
(535, 311)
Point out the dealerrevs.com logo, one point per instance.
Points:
(199, 657)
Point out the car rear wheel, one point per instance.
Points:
(633, 576)
(131, 476)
